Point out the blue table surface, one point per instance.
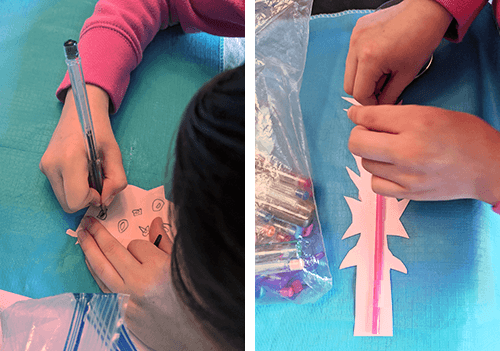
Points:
(37, 258)
(450, 298)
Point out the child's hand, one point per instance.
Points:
(142, 270)
(427, 153)
(65, 162)
(394, 42)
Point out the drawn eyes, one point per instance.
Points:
(122, 225)
(158, 205)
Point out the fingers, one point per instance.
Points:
(365, 83)
(99, 267)
(409, 178)
(65, 162)
(383, 118)
(146, 253)
(115, 179)
(69, 183)
(107, 257)
(351, 64)
(75, 185)
(373, 145)
(394, 87)
(157, 228)
(388, 188)
(99, 282)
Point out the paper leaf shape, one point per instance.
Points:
(362, 255)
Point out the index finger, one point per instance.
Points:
(110, 249)
(75, 184)
(372, 145)
(383, 118)
(351, 63)
(365, 84)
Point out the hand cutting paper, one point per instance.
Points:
(374, 217)
(131, 212)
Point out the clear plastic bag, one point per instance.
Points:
(290, 259)
(67, 322)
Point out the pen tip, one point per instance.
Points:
(103, 213)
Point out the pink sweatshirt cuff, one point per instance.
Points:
(107, 64)
(464, 12)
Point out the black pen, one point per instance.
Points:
(157, 241)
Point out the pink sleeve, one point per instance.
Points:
(464, 12)
(222, 17)
(113, 39)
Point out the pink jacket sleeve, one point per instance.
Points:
(113, 39)
(464, 12)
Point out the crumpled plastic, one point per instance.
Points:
(290, 258)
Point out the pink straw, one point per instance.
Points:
(379, 263)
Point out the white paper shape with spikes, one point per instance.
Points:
(131, 212)
(362, 255)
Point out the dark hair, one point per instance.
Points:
(208, 191)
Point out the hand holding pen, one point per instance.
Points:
(66, 160)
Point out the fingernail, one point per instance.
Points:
(108, 201)
(82, 234)
(86, 222)
(349, 112)
(95, 203)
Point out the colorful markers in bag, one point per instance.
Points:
(266, 233)
(299, 212)
(282, 172)
(277, 258)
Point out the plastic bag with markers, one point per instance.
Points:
(290, 260)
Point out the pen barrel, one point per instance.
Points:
(96, 175)
(298, 212)
(81, 99)
(274, 251)
(279, 267)
(277, 258)
(75, 71)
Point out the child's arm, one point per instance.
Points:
(111, 44)
(113, 39)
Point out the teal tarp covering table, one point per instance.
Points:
(37, 258)
(450, 298)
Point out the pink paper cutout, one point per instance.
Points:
(131, 212)
(362, 255)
